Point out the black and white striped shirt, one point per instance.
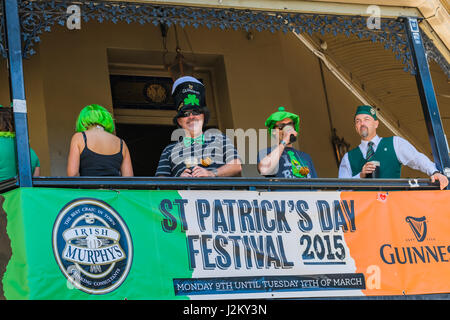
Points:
(176, 157)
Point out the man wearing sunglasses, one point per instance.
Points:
(283, 160)
(196, 153)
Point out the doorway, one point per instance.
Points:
(145, 143)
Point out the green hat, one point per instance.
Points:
(367, 110)
(280, 115)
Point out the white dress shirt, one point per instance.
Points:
(406, 154)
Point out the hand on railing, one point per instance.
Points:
(443, 180)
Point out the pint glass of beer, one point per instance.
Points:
(376, 173)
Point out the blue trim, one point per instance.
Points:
(13, 33)
(427, 95)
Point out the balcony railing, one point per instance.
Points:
(255, 184)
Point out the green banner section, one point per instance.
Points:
(92, 244)
(221, 244)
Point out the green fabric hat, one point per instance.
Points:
(367, 110)
(280, 115)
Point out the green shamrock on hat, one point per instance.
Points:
(192, 100)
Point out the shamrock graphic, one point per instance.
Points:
(192, 100)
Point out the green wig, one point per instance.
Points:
(280, 115)
(94, 114)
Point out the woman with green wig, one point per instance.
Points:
(8, 163)
(283, 160)
(94, 149)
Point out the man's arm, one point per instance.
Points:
(409, 156)
(269, 164)
(230, 169)
(229, 156)
(345, 170)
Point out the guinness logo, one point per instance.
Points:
(418, 227)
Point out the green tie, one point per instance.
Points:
(188, 141)
(296, 165)
(370, 151)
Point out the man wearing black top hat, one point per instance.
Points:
(195, 153)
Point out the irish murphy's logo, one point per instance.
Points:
(418, 227)
(92, 245)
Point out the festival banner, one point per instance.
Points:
(155, 244)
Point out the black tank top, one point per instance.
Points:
(95, 164)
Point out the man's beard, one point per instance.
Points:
(364, 132)
(195, 125)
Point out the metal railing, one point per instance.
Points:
(244, 183)
(7, 185)
(263, 184)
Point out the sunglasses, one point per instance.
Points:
(189, 112)
(281, 126)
